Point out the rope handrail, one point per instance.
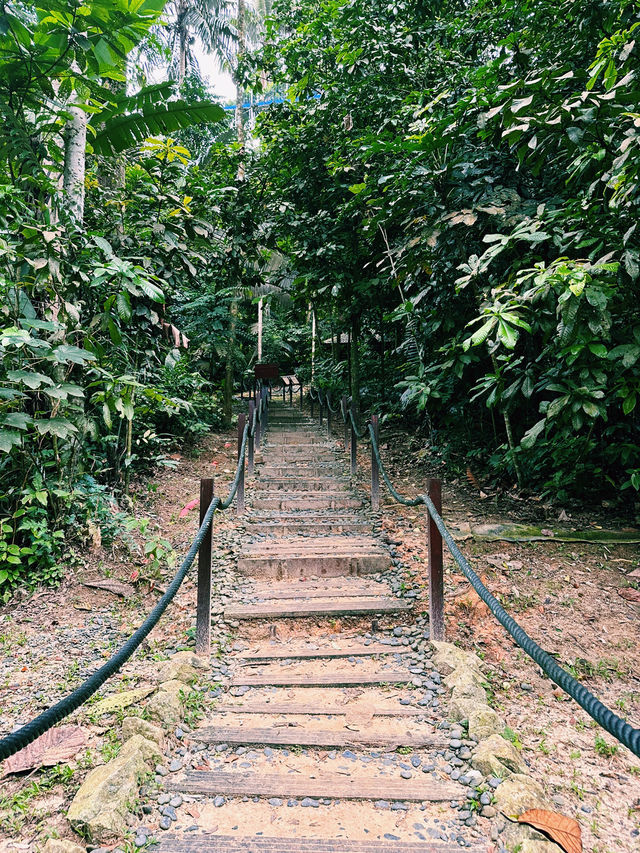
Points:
(597, 710)
(358, 433)
(16, 741)
(330, 407)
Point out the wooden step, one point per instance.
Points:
(347, 588)
(313, 654)
(331, 786)
(302, 484)
(301, 501)
(298, 736)
(324, 710)
(212, 843)
(306, 556)
(279, 529)
(300, 609)
(334, 679)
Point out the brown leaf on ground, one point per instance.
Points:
(117, 588)
(630, 594)
(565, 831)
(54, 746)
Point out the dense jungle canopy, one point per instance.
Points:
(449, 187)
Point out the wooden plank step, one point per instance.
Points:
(322, 583)
(298, 609)
(328, 785)
(277, 591)
(366, 544)
(305, 501)
(334, 679)
(311, 654)
(213, 843)
(298, 736)
(282, 709)
(300, 484)
(338, 592)
(308, 527)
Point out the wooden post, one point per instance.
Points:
(375, 473)
(284, 391)
(203, 606)
(242, 420)
(354, 457)
(290, 392)
(328, 415)
(259, 416)
(301, 396)
(311, 402)
(321, 407)
(436, 585)
(345, 415)
(252, 438)
(265, 410)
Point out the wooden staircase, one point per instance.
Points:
(317, 706)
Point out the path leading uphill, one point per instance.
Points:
(330, 736)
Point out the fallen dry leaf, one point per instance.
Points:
(184, 512)
(630, 594)
(192, 811)
(54, 746)
(565, 831)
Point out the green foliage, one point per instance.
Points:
(462, 179)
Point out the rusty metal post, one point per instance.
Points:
(328, 415)
(242, 420)
(203, 605)
(284, 392)
(345, 415)
(301, 396)
(252, 408)
(375, 473)
(354, 447)
(436, 583)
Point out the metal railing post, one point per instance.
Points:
(252, 438)
(354, 448)
(265, 410)
(242, 420)
(375, 473)
(203, 606)
(436, 584)
(345, 415)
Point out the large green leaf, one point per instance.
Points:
(122, 131)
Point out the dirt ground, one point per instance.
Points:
(566, 596)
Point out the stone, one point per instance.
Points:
(100, 807)
(137, 726)
(514, 796)
(534, 846)
(183, 666)
(448, 657)
(484, 722)
(166, 705)
(495, 756)
(121, 700)
(58, 845)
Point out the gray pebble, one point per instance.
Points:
(165, 823)
(219, 801)
(274, 801)
(406, 774)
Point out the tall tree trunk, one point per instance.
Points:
(228, 377)
(74, 162)
(354, 361)
(233, 310)
(239, 116)
(183, 38)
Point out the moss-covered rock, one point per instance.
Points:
(99, 809)
(495, 756)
